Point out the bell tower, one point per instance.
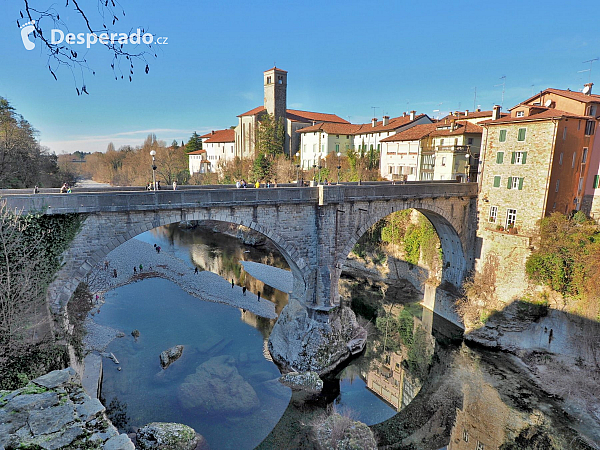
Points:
(275, 101)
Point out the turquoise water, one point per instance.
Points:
(165, 316)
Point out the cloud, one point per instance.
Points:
(99, 143)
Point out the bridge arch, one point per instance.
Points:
(455, 262)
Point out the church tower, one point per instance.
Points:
(276, 92)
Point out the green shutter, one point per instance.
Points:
(502, 136)
(499, 157)
(496, 181)
(509, 184)
(524, 158)
(521, 135)
(596, 181)
(520, 184)
(513, 157)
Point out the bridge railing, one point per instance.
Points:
(118, 200)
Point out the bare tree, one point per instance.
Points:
(44, 17)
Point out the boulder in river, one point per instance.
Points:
(167, 436)
(169, 356)
(217, 387)
(306, 381)
(337, 432)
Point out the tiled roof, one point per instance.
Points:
(197, 152)
(307, 116)
(276, 68)
(462, 127)
(545, 114)
(472, 115)
(574, 95)
(363, 128)
(221, 136)
(253, 111)
(412, 134)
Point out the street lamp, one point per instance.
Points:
(338, 167)
(153, 154)
(298, 169)
(468, 167)
(320, 156)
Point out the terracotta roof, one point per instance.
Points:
(222, 136)
(197, 152)
(462, 127)
(574, 95)
(545, 114)
(472, 115)
(307, 116)
(253, 111)
(275, 68)
(412, 134)
(363, 128)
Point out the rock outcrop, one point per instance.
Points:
(342, 433)
(171, 355)
(52, 412)
(218, 388)
(308, 381)
(305, 339)
(167, 436)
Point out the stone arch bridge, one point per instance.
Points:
(314, 228)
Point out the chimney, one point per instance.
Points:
(466, 112)
(386, 120)
(496, 112)
(478, 110)
(452, 124)
(404, 114)
(374, 122)
(587, 88)
(212, 132)
(412, 115)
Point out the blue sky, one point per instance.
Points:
(342, 57)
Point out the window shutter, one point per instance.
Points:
(524, 158)
(496, 181)
(513, 157)
(521, 135)
(596, 181)
(509, 184)
(520, 184)
(502, 136)
(499, 157)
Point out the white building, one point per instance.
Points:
(197, 162)
(219, 147)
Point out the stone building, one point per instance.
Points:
(534, 162)
(275, 101)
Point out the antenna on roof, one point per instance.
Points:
(475, 99)
(503, 78)
(374, 107)
(591, 61)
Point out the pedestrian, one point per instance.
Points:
(257, 185)
(35, 189)
(63, 188)
(158, 249)
(238, 184)
(258, 295)
(97, 298)
(154, 246)
(134, 269)
(114, 273)
(196, 270)
(141, 267)
(105, 265)
(244, 290)
(174, 185)
(232, 283)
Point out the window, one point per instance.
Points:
(590, 127)
(591, 110)
(268, 80)
(441, 142)
(470, 141)
(519, 157)
(502, 137)
(557, 185)
(493, 214)
(564, 133)
(390, 169)
(323, 148)
(499, 157)
(574, 159)
(520, 113)
(337, 148)
(511, 218)
(580, 187)
(280, 79)
(497, 181)
(515, 183)
(443, 160)
(584, 156)
(521, 134)
(596, 181)
(554, 205)
(465, 436)
(560, 159)
(480, 445)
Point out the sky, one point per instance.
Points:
(356, 59)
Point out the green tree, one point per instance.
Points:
(195, 143)
(270, 136)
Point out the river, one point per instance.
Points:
(415, 375)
